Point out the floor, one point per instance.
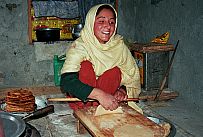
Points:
(184, 115)
(61, 123)
(186, 119)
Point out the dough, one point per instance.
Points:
(130, 130)
(167, 128)
(101, 111)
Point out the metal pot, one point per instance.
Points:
(48, 34)
(76, 30)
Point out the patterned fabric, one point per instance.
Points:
(61, 9)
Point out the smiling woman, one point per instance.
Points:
(104, 24)
(99, 65)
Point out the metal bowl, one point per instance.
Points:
(76, 30)
(40, 102)
(13, 125)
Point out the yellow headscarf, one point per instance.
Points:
(103, 56)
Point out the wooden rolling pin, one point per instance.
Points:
(76, 99)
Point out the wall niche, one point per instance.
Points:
(62, 14)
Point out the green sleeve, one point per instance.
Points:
(70, 83)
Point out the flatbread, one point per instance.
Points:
(130, 130)
(101, 111)
(20, 100)
(167, 128)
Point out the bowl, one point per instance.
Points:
(76, 30)
(40, 102)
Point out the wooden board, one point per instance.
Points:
(105, 125)
(42, 90)
(51, 90)
(151, 47)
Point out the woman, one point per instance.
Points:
(98, 64)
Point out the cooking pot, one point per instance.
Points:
(14, 125)
(48, 34)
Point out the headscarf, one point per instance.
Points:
(103, 56)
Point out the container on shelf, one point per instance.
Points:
(58, 62)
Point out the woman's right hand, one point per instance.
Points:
(107, 100)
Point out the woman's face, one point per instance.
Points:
(104, 25)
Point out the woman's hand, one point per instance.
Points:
(120, 95)
(107, 101)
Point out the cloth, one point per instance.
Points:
(61, 9)
(109, 82)
(103, 56)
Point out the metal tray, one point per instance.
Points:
(13, 125)
(39, 102)
(160, 121)
(20, 114)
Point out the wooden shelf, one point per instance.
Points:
(51, 90)
(151, 47)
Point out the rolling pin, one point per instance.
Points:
(76, 99)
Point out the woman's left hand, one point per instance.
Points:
(120, 95)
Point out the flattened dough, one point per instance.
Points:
(130, 130)
(101, 111)
(167, 128)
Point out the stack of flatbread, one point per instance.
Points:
(20, 100)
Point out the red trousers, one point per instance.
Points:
(109, 81)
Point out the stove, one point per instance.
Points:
(30, 131)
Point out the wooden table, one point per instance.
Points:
(105, 125)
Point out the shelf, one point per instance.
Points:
(151, 47)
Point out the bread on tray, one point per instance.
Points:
(20, 100)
